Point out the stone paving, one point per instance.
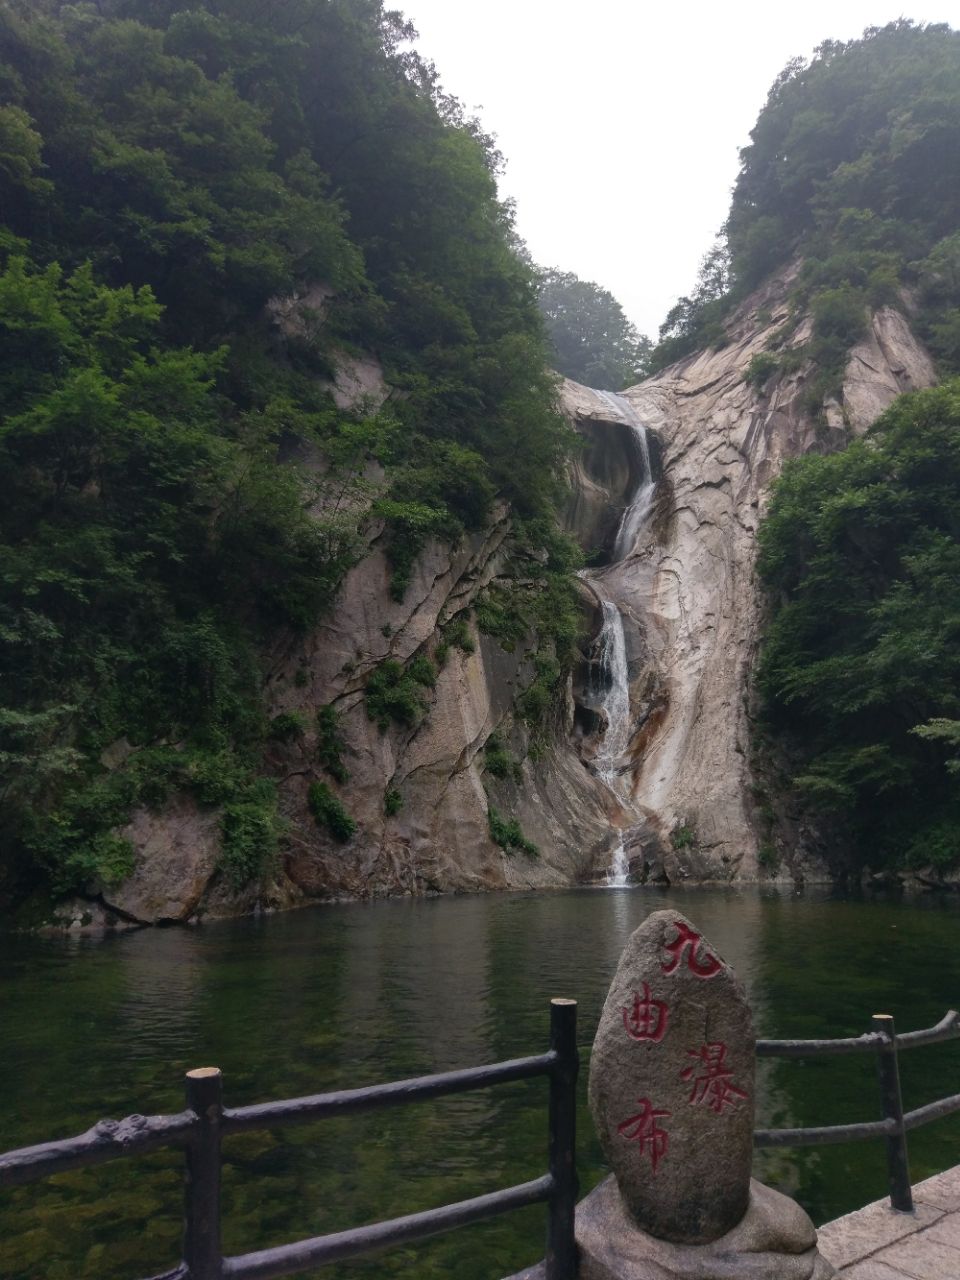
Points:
(877, 1243)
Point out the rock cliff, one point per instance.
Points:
(685, 810)
(689, 594)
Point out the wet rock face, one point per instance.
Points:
(689, 595)
(672, 1083)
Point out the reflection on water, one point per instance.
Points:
(341, 996)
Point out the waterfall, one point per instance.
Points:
(637, 510)
(613, 691)
(619, 867)
(614, 694)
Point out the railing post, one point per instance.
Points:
(561, 1262)
(201, 1237)
(898, 1168)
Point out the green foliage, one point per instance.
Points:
(697, 321)
(860, 670)
(538, 698)
(839, 320)
(683, 837)
(167, 171)
(768, 857)
(107, 859)
(144, 548)
(943, 731)
(851, 168)
(507, 834)
(455, 635)
(499, 761)
(392, 802)
(331, 744)
(409, 525)
(250, 830)
(329, 812)
(500, 614)
(593, 341)
(870, 130)
(396, 693)
(539, 606)
(287, 726)
(422, 671)
(761, 369)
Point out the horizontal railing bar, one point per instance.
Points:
(349, 1101)
(869, 1041)
(107, 1140)
(932, 1111)
(946, 1029)
(822, 1137)
(288, 1260)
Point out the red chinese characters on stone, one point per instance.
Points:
(643, 1129)
(646, 1018)
(689, 942)
(712, 1084)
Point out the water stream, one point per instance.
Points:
(614, 694)
(638, 508)
(611, 761)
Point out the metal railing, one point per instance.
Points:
(895, 1125)
(200, 1128)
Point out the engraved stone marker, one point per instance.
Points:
(671, 1092)
(672, 1083)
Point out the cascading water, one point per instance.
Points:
(617, 875)
(614, 694)
(635, 514)
(614, 684)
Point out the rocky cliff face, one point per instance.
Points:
(689, 596)
(683, 809)
(439, 839)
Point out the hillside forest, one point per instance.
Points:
(181, 487)
(166, 171)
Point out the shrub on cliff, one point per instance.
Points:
(329, 812)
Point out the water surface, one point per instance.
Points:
(348, 995)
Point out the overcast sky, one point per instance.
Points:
(620, 119)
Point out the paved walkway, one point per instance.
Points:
(876, 1243)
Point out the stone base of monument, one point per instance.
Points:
(775, 1240)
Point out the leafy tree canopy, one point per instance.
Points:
(854, 166)
(861, 665)
(593, 341)
(166, 169)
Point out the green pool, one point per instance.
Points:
(347, 995)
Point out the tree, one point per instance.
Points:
(167, 169)
(860, 668)
(593, 341)
(852, 168)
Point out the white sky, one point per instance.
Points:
(620, 119)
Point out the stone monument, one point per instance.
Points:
(672, 1097)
